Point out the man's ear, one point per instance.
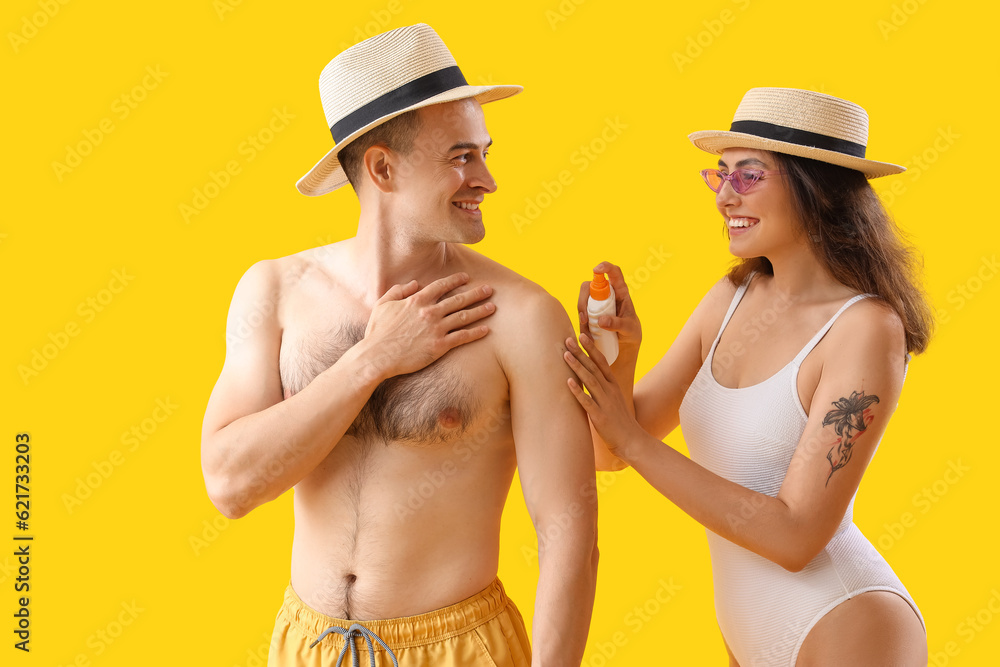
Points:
(380, 167)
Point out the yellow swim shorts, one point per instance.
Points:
(484, 630)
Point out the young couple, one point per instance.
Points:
(392, 386)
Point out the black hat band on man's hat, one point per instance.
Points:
(405, 96)
(380, 78)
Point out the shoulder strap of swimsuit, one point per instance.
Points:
(740, 291)
(826, 327)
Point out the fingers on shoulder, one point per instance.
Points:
(437, 289)
(401, 291)
(461, 336)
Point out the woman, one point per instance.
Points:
(783, 381)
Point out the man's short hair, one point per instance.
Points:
(398, 133)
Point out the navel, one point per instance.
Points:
(348, 591)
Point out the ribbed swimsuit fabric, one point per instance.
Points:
(748, 435)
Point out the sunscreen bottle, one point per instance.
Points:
(602, 302)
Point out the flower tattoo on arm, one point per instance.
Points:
(850, 419)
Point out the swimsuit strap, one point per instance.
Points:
(826, 327)
(740, 291)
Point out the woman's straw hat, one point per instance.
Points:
(802, 123)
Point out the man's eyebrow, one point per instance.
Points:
(745, 163)
(466, 145)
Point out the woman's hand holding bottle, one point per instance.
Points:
(625, 323)
(609, 403)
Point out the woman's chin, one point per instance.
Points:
(742, 251)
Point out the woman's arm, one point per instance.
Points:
(629, 331)
(658, 395)
(857, 393)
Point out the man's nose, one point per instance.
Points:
(480, 177)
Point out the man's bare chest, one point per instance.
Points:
(439, 403)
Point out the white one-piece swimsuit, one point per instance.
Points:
(748, 436)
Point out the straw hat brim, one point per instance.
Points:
(716, 141)
(327, 175)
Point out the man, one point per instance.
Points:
(395, 380)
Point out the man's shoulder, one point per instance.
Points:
(514, 291)
(281, 273)
(529, 324)
(269, 284)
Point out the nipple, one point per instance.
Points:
(449, 418)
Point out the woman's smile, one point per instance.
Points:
(741, 225)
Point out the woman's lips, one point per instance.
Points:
(741, 225)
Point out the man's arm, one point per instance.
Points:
(255, 446)
(555, 460)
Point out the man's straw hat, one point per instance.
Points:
(381, 78)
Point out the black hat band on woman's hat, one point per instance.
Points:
(802, 123)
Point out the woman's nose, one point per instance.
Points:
(726, 196)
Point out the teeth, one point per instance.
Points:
(741, 222)
(467, 207)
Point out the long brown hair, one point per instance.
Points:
(854, 236)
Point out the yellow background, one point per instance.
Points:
(924, 70)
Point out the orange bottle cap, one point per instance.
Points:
(599, 287)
